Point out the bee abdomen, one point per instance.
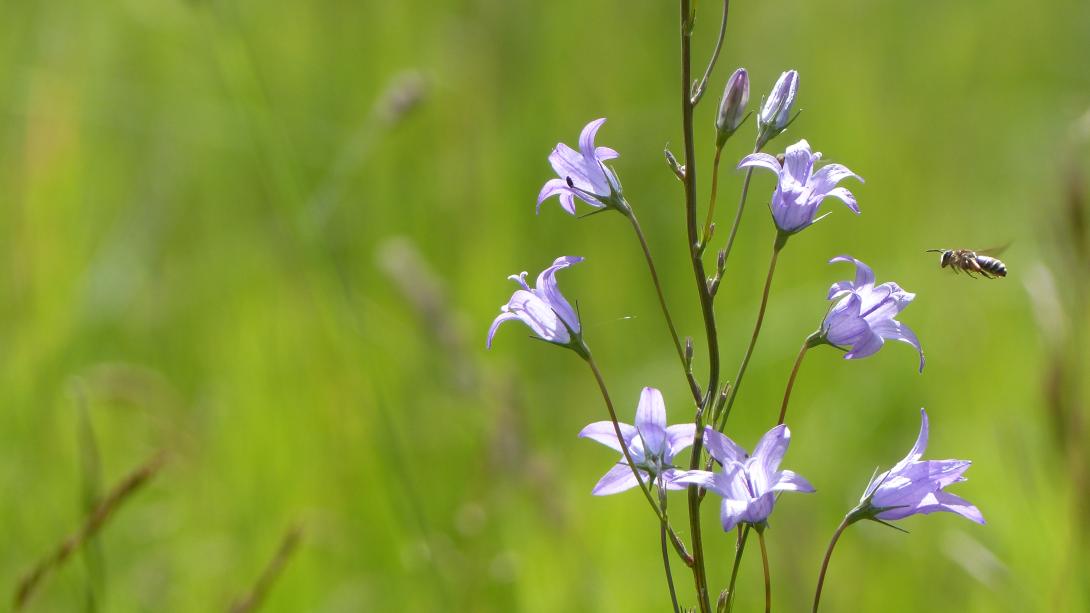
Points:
(992, 265)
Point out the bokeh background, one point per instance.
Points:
(268, 237)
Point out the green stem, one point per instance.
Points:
(737, 563)
(768, 579)
(666, 554)
(810, 341)
(704, 293)
(711, 205)
(738, 214)
(694, 387)
(721, 420)
(825, 563)
(699, 93)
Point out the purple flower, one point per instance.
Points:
(542, 308)
(914, 486)
(863, 319)
(650, 442)
(582, 174)
(776, 109)
(800, 189)
(732, 106)
(748, 484)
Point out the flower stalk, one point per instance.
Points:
(686, 364)
(737, 564)
(813, 340)
(825, 562)
(764, 563)
(704, 293)
(721, 419)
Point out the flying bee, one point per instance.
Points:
(971, 262)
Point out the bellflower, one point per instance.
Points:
(775, 114)
(732, 106)
(748, 484)
(800, 189)
(863, 319)
(582, 174)
(542, 308)
(915, 487)
(651, 443)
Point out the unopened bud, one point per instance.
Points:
(721, 603)
(732, 106)
(671, 161)
(688, 350)
(776, 111)
(721, 261)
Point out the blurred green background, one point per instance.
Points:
(270, 236)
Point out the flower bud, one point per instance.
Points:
(732, 106)
(776, 110)
(671, 161)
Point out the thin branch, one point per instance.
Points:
(699, 92)
(288, 545)
(98, 517)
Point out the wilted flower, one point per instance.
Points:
(864, 316)
(732, 106)
(542, 308)
(914, 486)
(748, 484)
(776, 109)
(650, 442)
(800, 189)
(582, 174)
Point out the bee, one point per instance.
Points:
(971, 262)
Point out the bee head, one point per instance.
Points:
(944, 258)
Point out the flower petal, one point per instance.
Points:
(502, 317)
(843, 325)
(678, 437)
(539, 316)
(826, 178)
(956, 504)
(603, 432)
(586, 138)
(551, 188)
(895, 330)
(731, 512)
(760, 160)
(790, 481)
(651, 421)
(547, 290)
(724, 450)
(668, 477)
(768, 454)
(759, 508)
(702, 478)
(842, 194)
(605, 153)
(864, 275)
(798, 162)
(920, 447)
(867, 346)
(618, 479)
(838, 289)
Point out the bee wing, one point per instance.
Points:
(994, 251)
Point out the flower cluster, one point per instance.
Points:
(862, 318)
